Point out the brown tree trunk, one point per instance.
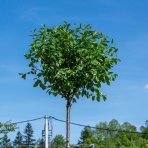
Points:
(68, 107)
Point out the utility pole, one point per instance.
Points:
(46, 131)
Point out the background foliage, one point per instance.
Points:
(100, 138)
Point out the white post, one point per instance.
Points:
(46, 131)
(93, 145)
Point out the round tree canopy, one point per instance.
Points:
(71, 61)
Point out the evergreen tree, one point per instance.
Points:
(18, 142)
(29, 141)
(40, 143)
(5, 142)
(58, 142)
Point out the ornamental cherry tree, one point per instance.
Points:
(71, 61)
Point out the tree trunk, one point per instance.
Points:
(68, 107)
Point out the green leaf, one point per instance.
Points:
(93, 98)
(42, 86)
(74, 100)
(23, 76)
(37, 83)
(104, 97)
(98, 98)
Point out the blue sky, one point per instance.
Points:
(124, 20)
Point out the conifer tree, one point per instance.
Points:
(28, 137)
(18, 140)
(58, 142)
(6, 142)
(40, 143)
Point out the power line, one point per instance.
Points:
(78, 124)
(105, 129)
(19, 122)
(30, 120)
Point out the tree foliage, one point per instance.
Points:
(103, 138)
(28, 137)
(18, 142)
(144, 129)
(5, 128)
(58, 142)
(71, 61)
(40, 143)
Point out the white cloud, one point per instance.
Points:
(146, 86)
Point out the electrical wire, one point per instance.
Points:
(20, 122)
(82, 125)
(27, 121)
(105, 129)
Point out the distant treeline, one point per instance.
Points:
(115, 135)
(104, 135)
